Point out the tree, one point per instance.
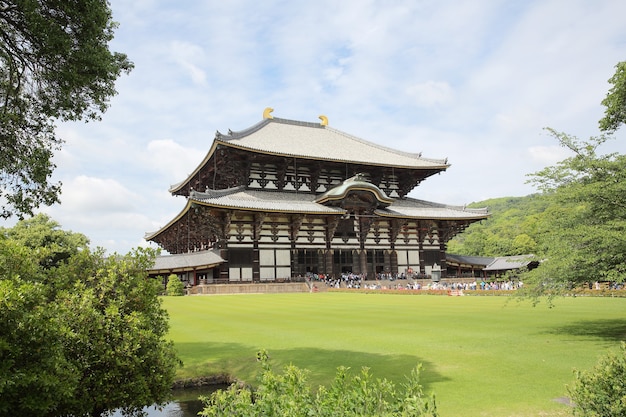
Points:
(174, 286)
(582, 231)
(601, 391)
(615, 101)
(51, 245)
(117, 335)
(83, 337)
(32, 357)
(288, 394)
(54, 65)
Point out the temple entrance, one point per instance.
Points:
(375, 261)
(343, 261)
(307, 262)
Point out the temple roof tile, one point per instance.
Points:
(316, 141)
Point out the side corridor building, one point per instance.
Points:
(286, 198)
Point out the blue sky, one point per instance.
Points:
(472, 81)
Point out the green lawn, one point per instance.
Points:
(482, 356)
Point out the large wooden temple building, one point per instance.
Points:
(287, 198)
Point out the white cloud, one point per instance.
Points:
(173, 159)
(97, 195)
(430, 93)
(187, 55)
(548, 155)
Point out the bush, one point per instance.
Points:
(174, 286)
(601, 391)
(289, 394)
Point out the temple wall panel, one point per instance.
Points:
(246, 274)
(267, 274)
(274, 263)
(408, 259)
(266, 257)
(283, 272)
(240, 274)
(283, 257)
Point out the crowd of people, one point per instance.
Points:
(389, 281)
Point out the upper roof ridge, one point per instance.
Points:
(233, 135)
(243, 133)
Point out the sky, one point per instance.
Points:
(474, 81)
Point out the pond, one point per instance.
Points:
(185, 404)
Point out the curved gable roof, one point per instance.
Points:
(356, 183)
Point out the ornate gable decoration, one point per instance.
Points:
(356, 194)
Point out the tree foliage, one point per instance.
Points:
(288, 394)
(174, 286)
(55, 64)
(51, 245)
(601, 391)
(583, 229)
(82, 337)
(510, 230)
(615, 101)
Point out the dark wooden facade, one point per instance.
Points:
(275, 216)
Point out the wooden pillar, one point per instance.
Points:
(393, 258)
(421, 256)
(256, 269)
(387, 256)
(442, 260)
(356, 261)
(328, 255)
(224, 273)
(320, 261)
(363, 263)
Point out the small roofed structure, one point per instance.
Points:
(463, 266)
(192, 268)
(503, 264)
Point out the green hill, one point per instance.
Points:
(513, 228)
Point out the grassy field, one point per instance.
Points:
(482, 356)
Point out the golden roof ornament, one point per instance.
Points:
(324, 120)
(266, 113)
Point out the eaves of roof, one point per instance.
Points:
(186, 262)
(304, 203)
(505, 263)
(292, 138)
(411, 208)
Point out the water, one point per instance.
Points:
(186, 403)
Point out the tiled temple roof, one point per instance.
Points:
(420, 209)
(291, 202)
(185, 261)
(505, 263)
(257, 200)
(316, 141)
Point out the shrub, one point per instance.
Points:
(174, 286)
(601, 391)
(289, 394)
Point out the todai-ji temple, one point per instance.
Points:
(285, 199)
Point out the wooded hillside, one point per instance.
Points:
(514, 228)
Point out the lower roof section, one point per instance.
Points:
(242, 199)
(183, 262)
